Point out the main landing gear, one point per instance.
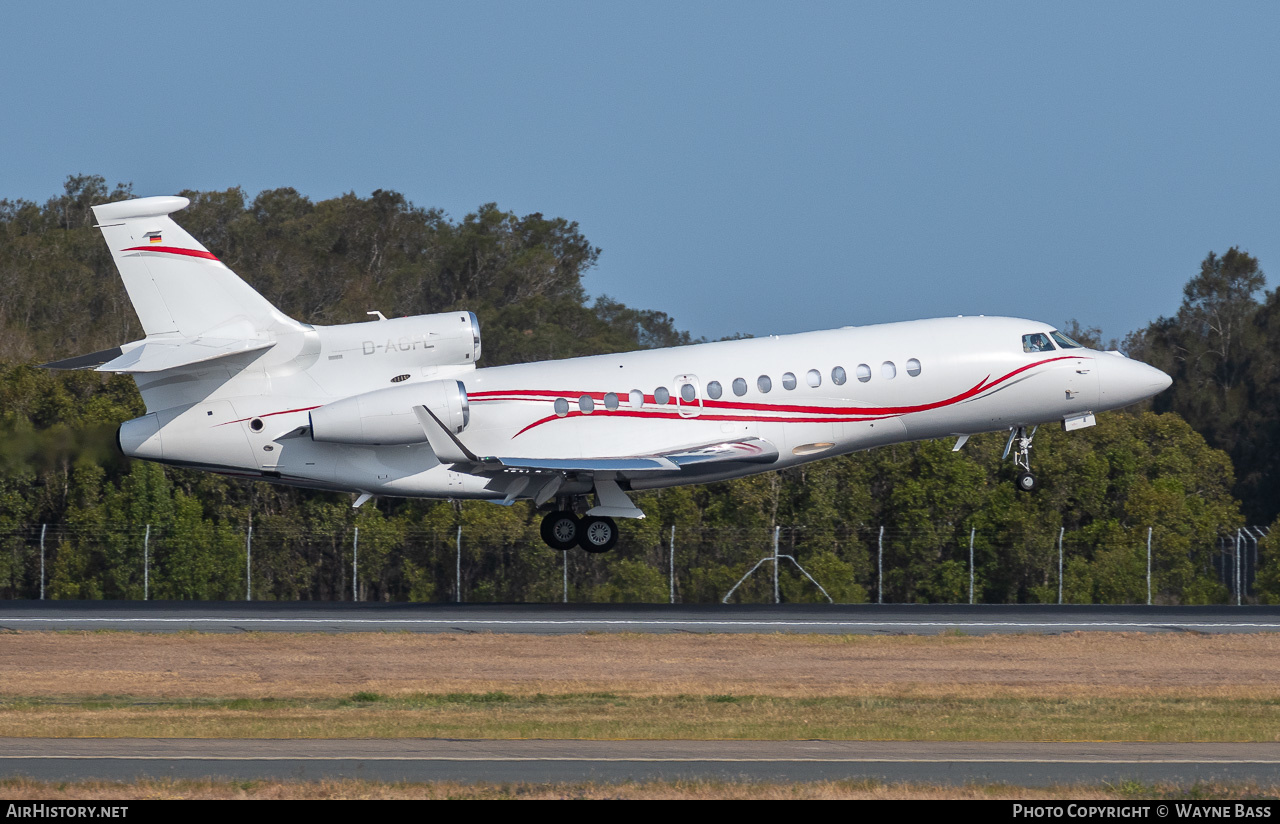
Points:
(1018, 437)
(563, 530)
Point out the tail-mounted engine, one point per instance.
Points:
(405, 344)
(385, 416)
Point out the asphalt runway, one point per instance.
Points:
(552, 619)
(545, 760)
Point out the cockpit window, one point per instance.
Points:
(1039, 342)
(1065, 342)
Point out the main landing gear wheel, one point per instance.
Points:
(1026, 482)
(561, 530)
(598, 534)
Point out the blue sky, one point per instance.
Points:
(753, 167)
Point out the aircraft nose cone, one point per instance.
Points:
(1159, 381)
(1123, 382)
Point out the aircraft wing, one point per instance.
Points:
(684, 461)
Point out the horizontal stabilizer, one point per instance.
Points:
(159, 355)
(90, 361)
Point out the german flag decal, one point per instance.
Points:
(154, 237)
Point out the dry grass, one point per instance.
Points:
(191, 665)
(26, 789)
(1083, 686)
(606, 716)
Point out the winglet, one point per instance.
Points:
(448, 448)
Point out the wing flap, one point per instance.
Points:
(655, 463)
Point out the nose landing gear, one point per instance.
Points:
(1022, 456)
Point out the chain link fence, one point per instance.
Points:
(652, 563)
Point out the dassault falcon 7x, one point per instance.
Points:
(399, 408)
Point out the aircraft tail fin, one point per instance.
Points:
(177, 287)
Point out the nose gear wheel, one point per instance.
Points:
(1022, 456)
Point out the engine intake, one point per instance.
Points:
(385, 417)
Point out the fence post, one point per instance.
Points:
(776, 531)
(1252, 534)
(355, 557)
(564, 598)
(1238, 575)
(146, 571)
(880, 567)
(43, 527)
(1148, 566)
(673, 563)
(248, 561)
(972, 530)
(1061, 531)
(457, 584)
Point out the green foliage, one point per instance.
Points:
(331, 261)
(1221, 349)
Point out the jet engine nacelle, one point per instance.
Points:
(385, 416)
(444, 339)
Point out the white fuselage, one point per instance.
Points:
(927, 379)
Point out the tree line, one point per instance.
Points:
(1188, 467)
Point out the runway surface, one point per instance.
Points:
(551, 619)
(545, 760)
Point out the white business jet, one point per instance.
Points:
(399, 407)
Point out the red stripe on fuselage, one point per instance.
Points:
(269, 414)
(858, 413)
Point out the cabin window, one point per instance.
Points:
(636, 399)
(888, 370)
(814, 378)
(661, 396)
(688, 394)
(913, 367)
(562, 407)
(788, 380)
(764, 383)
(611, 401)
(864, 372)
(586, 404)
(714, 390)
(1038, 342)
(1065, 342)
(838, 377)
(739, 387)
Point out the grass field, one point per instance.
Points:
(1083, 686)
(25, 789)
(271, 665)
(611, 716)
